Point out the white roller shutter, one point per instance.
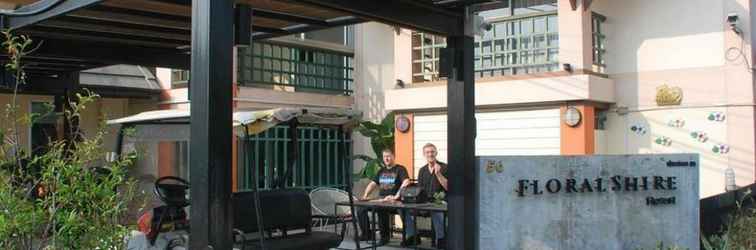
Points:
(528, 132)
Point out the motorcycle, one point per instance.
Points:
(166, 226)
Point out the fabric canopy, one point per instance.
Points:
(173, 125)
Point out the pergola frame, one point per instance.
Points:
(90, 33)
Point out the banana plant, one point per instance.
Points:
(381, 137)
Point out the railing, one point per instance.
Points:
(519, 45)
(598, 42)
(324, 156)
(295, 68)
(522, 44)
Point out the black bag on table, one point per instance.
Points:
(413, 193)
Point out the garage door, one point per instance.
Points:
(529, 132)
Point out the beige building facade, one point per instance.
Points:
(607, 59)
(645, 77)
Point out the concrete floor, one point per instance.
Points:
(394, 244)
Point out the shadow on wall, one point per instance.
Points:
(374, 72)
(681, 43)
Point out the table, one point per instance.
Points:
(376, 204)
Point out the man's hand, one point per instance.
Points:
(436, 168)
(390, 198)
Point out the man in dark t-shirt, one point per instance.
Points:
(389, 180)
(432, 179)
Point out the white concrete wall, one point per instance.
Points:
(685, 44)
(374, 73)
(661, 35)
(510, 92)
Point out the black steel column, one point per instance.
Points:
(211, 109)
(463, 196)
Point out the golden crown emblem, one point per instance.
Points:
(666, 95)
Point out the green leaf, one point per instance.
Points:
(388, 123)
(363, 157)
(371, 169)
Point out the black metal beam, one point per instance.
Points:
(211, 130)
(265, 13)
(108, 53)
(463, 176)
(289, 17)
(412, 14)
(148, 30)
(115, 14)
(69, 33)
(42, 84)
(242, 25)
(307, 28)
(43, 10)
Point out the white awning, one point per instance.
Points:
(254, 121)
(155, 116)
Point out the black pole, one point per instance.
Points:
(348, 180)
(285, 176)
(119, 141)
(463, 177)
(255, 189)
(211, 123)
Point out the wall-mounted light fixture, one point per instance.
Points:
(567, 67)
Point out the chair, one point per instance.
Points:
(324, 211)
(284, 211)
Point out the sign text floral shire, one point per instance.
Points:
(615, 183)
(588, 202)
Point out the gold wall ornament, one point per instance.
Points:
(666, 95)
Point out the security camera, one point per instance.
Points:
(481, 25)
(485, 25)
(732, 18)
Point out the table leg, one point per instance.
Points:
(417, 230)
(372, 230)
(404, 226)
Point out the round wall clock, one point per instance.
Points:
(572, 116)
(402, 124)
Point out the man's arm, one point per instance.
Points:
(369, 189)
(405, 183)
(404, 176)
(441, 178)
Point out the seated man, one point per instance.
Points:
(432, 179)
(390, 179)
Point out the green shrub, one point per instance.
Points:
(739, 233)
(65, 197)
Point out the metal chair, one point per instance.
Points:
(324, 210)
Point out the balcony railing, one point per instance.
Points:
(295, 68)
(519, 45)
(516, 45)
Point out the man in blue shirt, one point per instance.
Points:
(389, 180)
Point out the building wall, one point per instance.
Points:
(374, 74)
(92, 116)
(691, 48)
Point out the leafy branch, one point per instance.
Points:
(381, 137)
(65, 196)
